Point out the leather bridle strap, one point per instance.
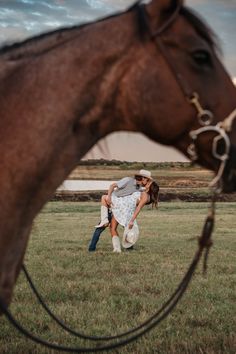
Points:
(170, 21)
(155, 37)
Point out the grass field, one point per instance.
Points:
(106, 293)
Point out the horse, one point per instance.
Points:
(154, 69)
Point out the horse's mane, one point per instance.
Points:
(28, 47)
(201, 27)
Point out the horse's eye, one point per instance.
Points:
(202, 58)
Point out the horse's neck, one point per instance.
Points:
(103, 57)
(55, 105)
(80, 67)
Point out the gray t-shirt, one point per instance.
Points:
(126, 186)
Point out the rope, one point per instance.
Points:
(101, 338)
(164, 311)
(142, 329)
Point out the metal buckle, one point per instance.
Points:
(205, 117)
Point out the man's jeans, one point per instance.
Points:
(97, 234)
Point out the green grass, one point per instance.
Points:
(106, 293)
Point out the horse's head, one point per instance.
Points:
(179, 92)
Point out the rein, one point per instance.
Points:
(222, 129)
(133, 334)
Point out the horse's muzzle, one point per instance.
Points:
(229, 176)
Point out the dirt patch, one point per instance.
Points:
(187, 183)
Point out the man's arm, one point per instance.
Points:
(120, 184)
(109, 193)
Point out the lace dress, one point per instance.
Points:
(123, 207)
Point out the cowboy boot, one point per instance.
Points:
(104, 217)
(116, 244)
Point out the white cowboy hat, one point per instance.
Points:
(144, 173)
(130, 236)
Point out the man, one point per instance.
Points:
(122, 188)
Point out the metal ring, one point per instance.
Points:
(205, 117)
(224, 156)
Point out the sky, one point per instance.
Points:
(20, 19)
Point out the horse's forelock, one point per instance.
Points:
(201, 28)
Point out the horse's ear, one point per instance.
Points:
(160, 10)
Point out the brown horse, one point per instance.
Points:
(63, 91)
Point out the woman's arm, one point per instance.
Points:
(143, 201)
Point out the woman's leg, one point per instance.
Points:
(104, 213)
(114, 235)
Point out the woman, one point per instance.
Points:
(126, 209)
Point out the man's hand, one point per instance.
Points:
(109, 200)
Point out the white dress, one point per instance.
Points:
(123, 207)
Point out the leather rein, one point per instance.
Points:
(205, 118)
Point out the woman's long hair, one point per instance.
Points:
(153, 194)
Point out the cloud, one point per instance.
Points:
(20, 19)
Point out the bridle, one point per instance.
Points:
(205, 119)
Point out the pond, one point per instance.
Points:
(84, 185)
